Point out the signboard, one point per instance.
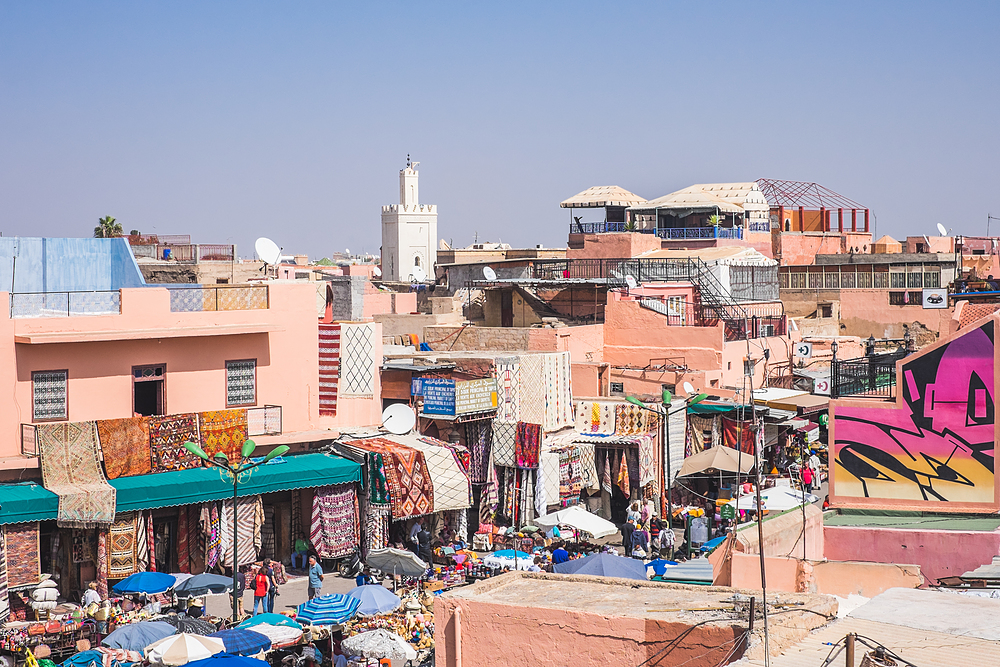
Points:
(439, 397)
(417, 386)
(728, 511)
(821, 385)
(804, 350)
(936, 298)
(475, 396)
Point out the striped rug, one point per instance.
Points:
(329, 368)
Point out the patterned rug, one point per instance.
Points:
(357, 360)
(704, 432)
(647, 459)
(624, 483)
(267, 533)
(70, 469)
(125, 444)
(23, 561)
(223, 431)
(376, 535)
(167, 436)
(588, 469)
(548, 468)
(451, 487)
(410, 489)
(4, 604)
(569, 476)
(249, 521)
(595, 417)
(378, 486)
(508, 371)
(558, 391)
(527, 444)
(211, 527)
(122, 546)
(532, 389)
(183, 542)
(329, 368)
(633, 420)
(738, 434)
(479, 436)
(102, 563)
(503, 443)
(335, 523)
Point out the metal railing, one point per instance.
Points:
(65, 304)
(760, 321)
(674, 233)
(865, 376)
(218, 297)
(596, 227)
(265, 420)
(186, 252)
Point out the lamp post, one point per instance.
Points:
(221, 461)
(665, 431)
(833, 369)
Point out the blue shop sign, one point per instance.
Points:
(439, 397)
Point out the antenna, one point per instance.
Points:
(489, 273)
(377, 272)
(417, 274)
(942, 229)
(268, 252)
(398, 419)
(688, 389)
(631, 281)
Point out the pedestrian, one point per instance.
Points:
(626, 529)
(667, 541)
(260, 583)
(272, 585)
(633, 513)
(559, 554)
(640, 543)
(241, 587)
(807, 479)
(315, 577)
(365, 578)
(814, 463)
(424, 546)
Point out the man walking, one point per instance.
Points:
(272, 585)
(315, 577)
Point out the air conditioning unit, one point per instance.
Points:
(766, 330)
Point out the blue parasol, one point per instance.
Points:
(144, 582)
(203, 584)
(375, 599)
(270, 619)
(137, 636)
(241, 641)
(604, 565)
(227, 660)
(328, 609)
(509, 554)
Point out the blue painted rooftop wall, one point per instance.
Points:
(66, 265)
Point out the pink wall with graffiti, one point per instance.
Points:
(933, 447)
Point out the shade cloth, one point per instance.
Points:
(335, 529)
(241, 641)
(396, 561)
(228, 660)
(379, 644)
(27, 501)
(137, 636)
(451, 487)
(70, 469)
(280, 635)
(188, 625)
(375, 599)
(328, 609)
(579, 518)
(204, 584)
(604, 565)
(717, 458)
(270, 619)
(223, 431)
(182, 648)
(775, 499)
(144, 582)
(188, 487)
(167, 435)
(125, 445)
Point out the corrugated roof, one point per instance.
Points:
(600, 196)
(727, 197)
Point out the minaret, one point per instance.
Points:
(409, 230)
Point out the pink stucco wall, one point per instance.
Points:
(614, 246)
(282, 338)
(841, 578)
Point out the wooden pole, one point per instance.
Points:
(850, 650)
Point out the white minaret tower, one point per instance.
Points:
(409, 230)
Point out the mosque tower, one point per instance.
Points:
(409, 230)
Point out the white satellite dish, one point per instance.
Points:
(928, 242)
(942, 229)
(688, 389)
(631, 281)
(418, 274)
(267, 250)
(347, 251)
(489, 273)
(398, 419)
(377, 272)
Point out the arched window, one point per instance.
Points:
(416, 260)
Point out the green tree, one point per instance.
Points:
(107, 228)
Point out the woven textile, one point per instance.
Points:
(490, 498)
(122, 546)
(504, 434)
(4, 605)
(704, 433)
(738, 435)
(508, 389)
(410, 490)
(595, 417)
(647, 459)
(167, 435)
(378, 492)
(588, 469)
(212, 528)
(558, 391)
(335, 528)
(606, 472)
(70, 469)
(329, 368)
(267, 533)
(450, 484)
(624, 483)
(183, 542)
(527, 444)
(223, 431)
(150, 545)
(249, 521)
(376, 534)
(102, 563)
(125, 444)
(569, 476)
(532, 389)
(548, 466)
(357, 360)
(297, 515)
(479, 437)
(633, 420)
(23, 557)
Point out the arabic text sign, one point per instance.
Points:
(475, 396)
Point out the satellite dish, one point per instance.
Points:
(631, 281)
(347, 251)
(267, 250)
(688, 389)
(928, 242)
(418, 274)
(489, 273)
(398, 419)
(942, 229)
(377, 272)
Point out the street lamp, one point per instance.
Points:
(665, 431)
(242, 469)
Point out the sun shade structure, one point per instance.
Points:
(775, 499)
(188, 625)
(604, 565)
(182, 649)
(280, 635)
(375, 599)
(241, 641)
(203, 584)
(601, 196)
(144, 582)
(270, 619)
(396, 561)
(580, 519)
(137, 636)
(725, 459)
(722, 197)
(379, 644)
(328, 609)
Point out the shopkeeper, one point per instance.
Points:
(91, 596)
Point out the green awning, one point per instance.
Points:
(705, 408)
(27, 501)
(198, 485)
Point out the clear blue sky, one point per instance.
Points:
(230, 120)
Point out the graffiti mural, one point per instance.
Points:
(936, 443)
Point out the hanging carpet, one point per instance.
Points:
(357, 360)
(167, 435)
(532, 389)
(70, 469)
(592, 417)
(123, 546)
(504, 434)
(738, 435)
(647, 460)
(223, 431)
(329, 368)
(125, 444)
(335, 522)
(479, 436)
(250, 520)
(450, 484)
(410, 490)
(508, 371)
(22, 552)
(527, 444)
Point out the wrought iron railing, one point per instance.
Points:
(866, 376)
(29, 440)
(65, 304)
(186, 252)
(265, 420)
(218, 297)
(676, 233)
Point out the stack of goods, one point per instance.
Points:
(416, 627)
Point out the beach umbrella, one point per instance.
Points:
(396, 561)
(186, 624)
(578, 518)
(138, 636)
(241, 641)
(92, 658)
(379, 644)
(270, 619)
(604, 565)
(328, 609)
(204, 584)
(228, 660)
(775, 499)
(144, 582)
(721, 458)
(509, 554)
(280, 635)
(714, 542)
(182, 649)
(375, 599)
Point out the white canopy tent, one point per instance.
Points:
(578, 518)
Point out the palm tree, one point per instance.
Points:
(107, 228)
